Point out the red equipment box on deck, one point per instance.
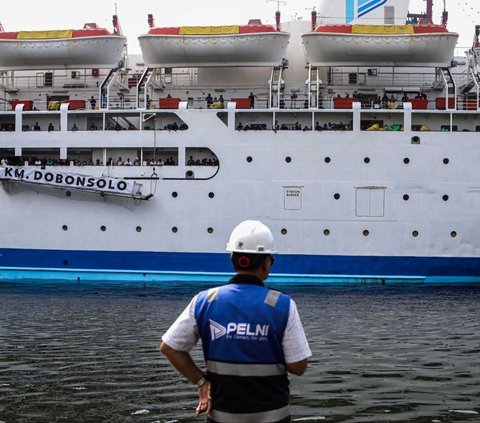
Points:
(440, 103)
(241, 103)
(27, 104)
(168, 103)
(342, 103)
(418, 103)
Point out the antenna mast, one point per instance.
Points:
(277, 13)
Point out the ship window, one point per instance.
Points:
(352, 78)
(200, 156)
(174, 194)
(336, 196)
(103, 228)
(406, 197)
(249, 159)
(292, 197)
(138, 229)
(326, 232)
(366, 160)
(174, 229)
(370, 202)
(366, 232)
(327, 160)
(453, 234)
(65, 227)
(288, 159)
(415, 234)
(211, 195)
(446, 161)
(445, 198)
(406, 160)
(210, 230)
(283, 231)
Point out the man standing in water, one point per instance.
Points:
(251, 337)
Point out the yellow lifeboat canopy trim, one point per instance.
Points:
(38, 35)
(382, 29)
(209, 30)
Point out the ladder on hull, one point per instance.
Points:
(314, 84)
(151, 78)
(115, 78)
(450, 88)
(276, 85)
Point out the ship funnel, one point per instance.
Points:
(368, 12)
(117, 29)
(151, 21)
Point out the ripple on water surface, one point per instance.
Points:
(89, 353)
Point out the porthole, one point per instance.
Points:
(288, 159)
(283, 231)
(210, 230)
(416, 139)
(406, 160)
(174, 194)
(453, 234)
(211, 195)
(103, 228)
(65, 227)
(326, 232)
(327, 159)
(415, 234)
(366, 160)
(336, 196)
(366, 232)
(189, 174)
(445, 197)
(138, 229)
(68, 193)
(446, 161)
(66, 262)
(249, 159)
(174, 229)
(406, 197)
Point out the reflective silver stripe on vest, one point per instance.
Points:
(272, 298)
(212, 294)
(229, 369)
(263, 417)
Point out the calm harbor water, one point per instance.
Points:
(89, 353)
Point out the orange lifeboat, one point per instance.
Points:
(89, 47)
(254, 44)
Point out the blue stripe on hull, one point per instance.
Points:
(133, 265)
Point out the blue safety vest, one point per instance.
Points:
(241, 326)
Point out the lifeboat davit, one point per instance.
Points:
(380, 45)
(254, 44)
(90, 47)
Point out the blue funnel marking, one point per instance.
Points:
(350, 10)
(366, 6)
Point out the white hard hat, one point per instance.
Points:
(253, 237)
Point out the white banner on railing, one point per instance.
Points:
(65, 180)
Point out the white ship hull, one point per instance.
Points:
(344, 203)
(253, 49)
(336, 49)
(85, 52)
(323, 221)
